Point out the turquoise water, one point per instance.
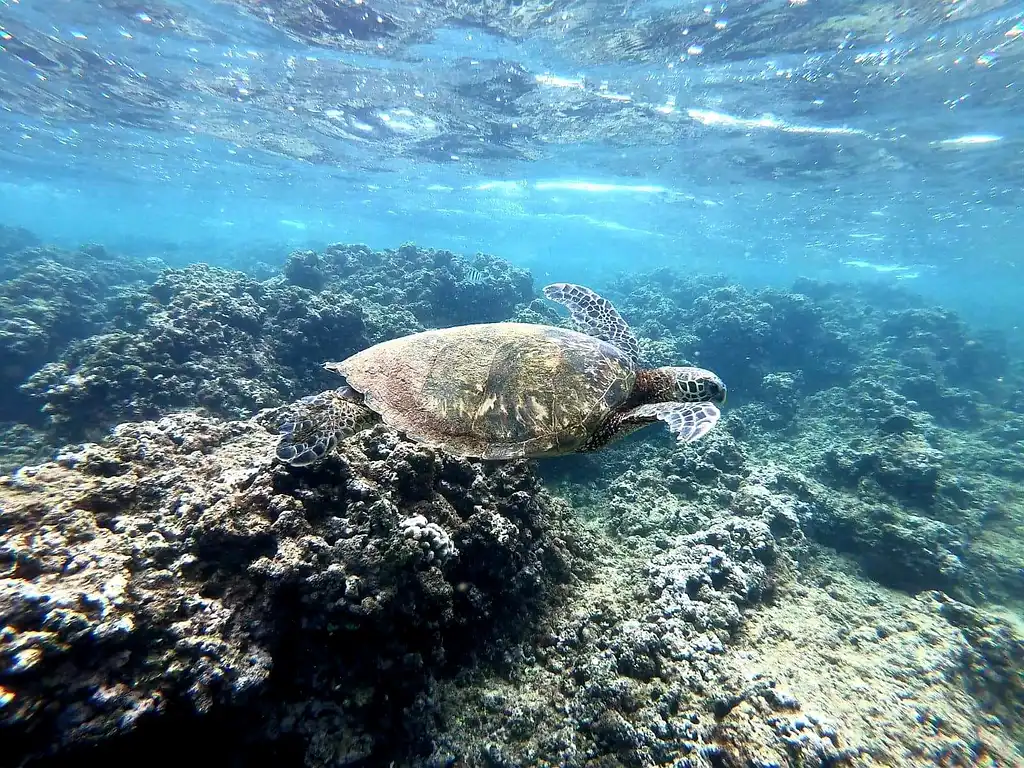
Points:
(768, 140)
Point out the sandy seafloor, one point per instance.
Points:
(831, 577)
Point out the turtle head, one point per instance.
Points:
(693, 385)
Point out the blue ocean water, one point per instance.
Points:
(764, 139)
(821, 201)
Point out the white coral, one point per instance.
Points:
(434, 540)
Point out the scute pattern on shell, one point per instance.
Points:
(494, 390)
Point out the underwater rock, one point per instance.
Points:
(21, 445)
(437, 287)
(938, 340)
(906, 496)
(49, 297)
(705, 579)
(749, 335)
(631, 670)
(175, 571)
(897, 547)
(905, 466)
(838, 670)
(952, 407)
(994, 663)
(781, 393)
(764, 728)
(1015, 401)
(1001, 451)
(14, 239)
(640, 489)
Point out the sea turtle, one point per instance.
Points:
(507, 390)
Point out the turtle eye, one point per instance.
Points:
(714, 391)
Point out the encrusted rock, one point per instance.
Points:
(175, 567)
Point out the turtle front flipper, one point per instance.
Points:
(315, 424)
(595, 316)
(687, 421)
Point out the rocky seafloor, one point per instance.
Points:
(830, 578)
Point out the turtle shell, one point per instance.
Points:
(494, 390)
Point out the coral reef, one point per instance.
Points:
(21, 444)
(200, 336)
(14, 240)
(761, 597)
(396, 604)
(817, 336)
(889, 677)
(628, 674)
(48, 298)
(173, 569)
(890, 485)
(881, 409)
(748, 334)
(740, 644)
(437, 287)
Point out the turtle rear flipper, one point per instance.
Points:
(687, 421)
(316, 424)
(595, 316)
